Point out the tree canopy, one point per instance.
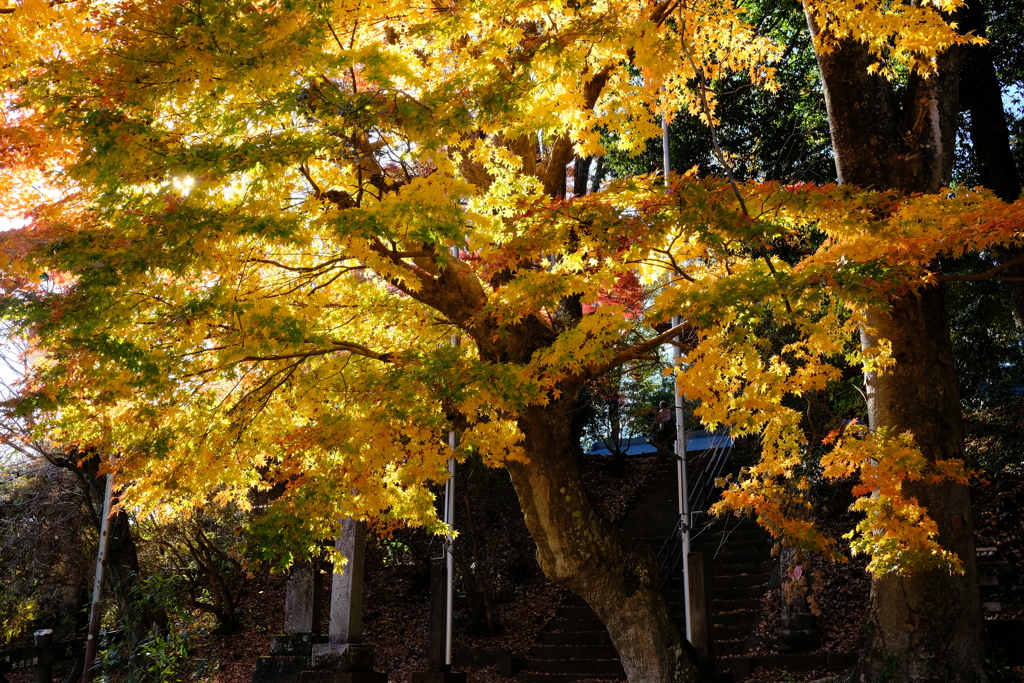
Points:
(255, 231)
(289, 245)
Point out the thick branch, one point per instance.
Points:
(637, 351)
(987, 275)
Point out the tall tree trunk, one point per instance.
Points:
(578, 548)
(138, 618)
(598, 177)
(927, 626)
(982, 96)
(581, 176)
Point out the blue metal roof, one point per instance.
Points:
(638, 445)
(696, 441)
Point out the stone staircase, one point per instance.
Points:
(739, 565)
(575, 645)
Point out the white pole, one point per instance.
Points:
(682, 483)
(449, 514)
(666, 165)
(92, 640)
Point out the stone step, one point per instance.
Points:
(606, 667)
(576, 612)
(737, 555)
(726, 605)
(660, 490)
(737, 568)
(665, 485)
(708, 543)
(734, 619)
(581, 638)
(575, 645)
(719, 586)
(738, 592)
(577, 625)
(738, 581)
(740, 667)
(656, 515)
(730, 524)
(653, 541)
(656, 503)
(705, 540)
(645, 527)
(723, 647)
(650, 520)
(731, 632)
(732, 536)
(573, 652)
(535, 677)
(654, 537)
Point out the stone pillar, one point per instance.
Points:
(437, 671)
(343, 659)
(347, 585)
(436, 639)
(800, 629)
(290, 652)
(700, 605)
(302, 600)
(42, 671)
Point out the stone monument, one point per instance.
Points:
(344, 658)
(290, 651)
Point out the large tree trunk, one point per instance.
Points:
(927, 626)
(982, 96)
(138, 619)
(578, 548)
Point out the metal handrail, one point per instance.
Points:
(705, 486)
(670, 555)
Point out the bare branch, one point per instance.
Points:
(338, 346)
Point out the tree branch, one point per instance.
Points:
(638, 350)
(987, 275)
(351, 347)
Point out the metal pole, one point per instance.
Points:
(449, 515)
(682, 477)
(666, 165)
(682, 482)
(449, 509)
(97, 585)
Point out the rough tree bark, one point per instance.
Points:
(925, 627)
(578, 548)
